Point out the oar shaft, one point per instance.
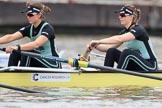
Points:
(29, 54)
(55, 59)
(125, 71)
(42, 57)
(18, 89)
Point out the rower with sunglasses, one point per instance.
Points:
(139, 54)
(42, 39)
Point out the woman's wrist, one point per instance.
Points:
(99, 42)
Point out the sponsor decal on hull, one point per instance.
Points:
(50, 77)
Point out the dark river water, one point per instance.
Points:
(112, 97)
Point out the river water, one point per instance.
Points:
(112, 97)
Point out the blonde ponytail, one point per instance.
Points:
(137, 13)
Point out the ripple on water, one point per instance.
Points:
(114, 97)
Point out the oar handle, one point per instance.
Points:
(3, 49)
(89, 49)
(19, 89)
(85, 56)
(87, 52)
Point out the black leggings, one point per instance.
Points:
(129, 60)
(31, 62)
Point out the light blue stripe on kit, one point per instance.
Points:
(137, 60)
(27, 61)
(48, 64)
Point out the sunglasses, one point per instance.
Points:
(30, 14)
(123, 15)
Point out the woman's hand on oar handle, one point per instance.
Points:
(93, 44)
(86, 57)
(10, 49)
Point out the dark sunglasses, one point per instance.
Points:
(122, 15)
(30, 14)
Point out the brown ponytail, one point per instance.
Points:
(138, 15)
(46, 9)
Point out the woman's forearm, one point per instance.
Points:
(10, 37)
(105, 47)
(111, 40)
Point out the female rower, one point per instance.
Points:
(42, 39)
(139, 54)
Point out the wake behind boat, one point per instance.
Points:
(84, 78)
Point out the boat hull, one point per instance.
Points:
(84, 79)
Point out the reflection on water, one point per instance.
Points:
(114, 97)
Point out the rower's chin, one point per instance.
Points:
(30, 22)
(122, 23)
